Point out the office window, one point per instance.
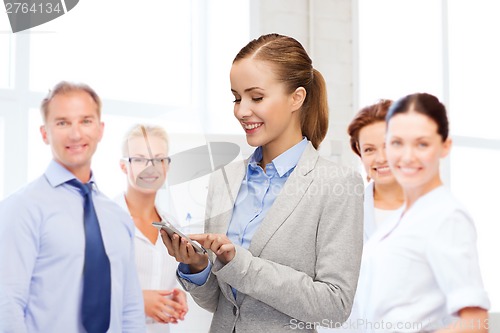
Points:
(39, 154)
(400, 48)
(141, 54)
(6, 60)
(2, 156)
(474, 67)
(171, 66)
(226, 38)
(474, 118)
(473, 174)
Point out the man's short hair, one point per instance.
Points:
(65, 87)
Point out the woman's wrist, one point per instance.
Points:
(198, 267)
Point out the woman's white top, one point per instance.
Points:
(374, 217)
(155, 267)
(420, 269)
(382, 215)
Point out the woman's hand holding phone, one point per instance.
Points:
(180, 248)
(183, 251)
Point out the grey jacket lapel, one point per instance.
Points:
(293, 191)
(230, 180)
(232, 177)
(285, 203)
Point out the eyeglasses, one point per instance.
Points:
(142, 161)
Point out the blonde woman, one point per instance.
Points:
(145, 163)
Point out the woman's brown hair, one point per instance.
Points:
(293, 67)
(366, 116)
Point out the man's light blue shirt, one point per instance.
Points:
(42, 243)
(257, 193)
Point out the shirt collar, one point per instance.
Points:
(56, 175)
(282, 163)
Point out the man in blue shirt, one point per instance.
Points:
(42, 236)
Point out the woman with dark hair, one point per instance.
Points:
(284, 227)
(420, 272)
(383, 195)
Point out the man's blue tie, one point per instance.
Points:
(96, 299)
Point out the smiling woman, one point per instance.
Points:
(145, 146)
(383, 195)
(433, 235)
(145, 162)
(254, 102)
(256, 279)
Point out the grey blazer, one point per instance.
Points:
(302, 267)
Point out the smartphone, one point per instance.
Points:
(171, 230)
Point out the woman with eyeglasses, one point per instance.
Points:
(145, 162)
